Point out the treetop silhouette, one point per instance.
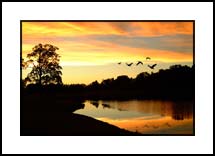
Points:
(45, 65)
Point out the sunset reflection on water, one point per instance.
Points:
(144, 116)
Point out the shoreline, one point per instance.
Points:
(69, 124)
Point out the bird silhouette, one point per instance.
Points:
(139, 62)
(152, 66)
(129, 64)
(148, 58)
(119, 63)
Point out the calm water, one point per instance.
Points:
(144, 116)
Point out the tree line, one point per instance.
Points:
(177, 82)
(45, 78)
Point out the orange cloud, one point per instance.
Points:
(67, 28)
(93, 52)
(162, 28)
(111, 28)
(56, 33)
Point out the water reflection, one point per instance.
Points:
(106, 105)
(95, 103)
(144, 116)
(182, 110)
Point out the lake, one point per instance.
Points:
(144, 116)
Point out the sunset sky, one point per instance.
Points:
(91, 50)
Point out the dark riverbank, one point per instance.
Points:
(69, 124)
(48, 115)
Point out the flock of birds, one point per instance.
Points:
(140, 63)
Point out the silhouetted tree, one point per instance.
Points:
(108, 83)
(122, 82)
(45, 65)
(22, 83)
(142, 75)
(94, 85)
